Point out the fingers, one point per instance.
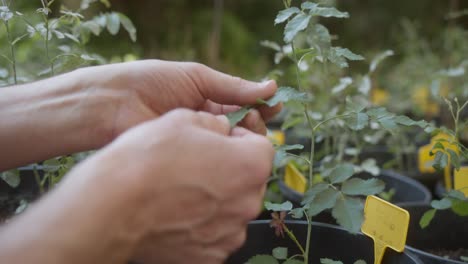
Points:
(226, 89)
(218, 124)
(254, 122)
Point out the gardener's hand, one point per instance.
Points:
(86, 109)
(179, 189)
(148, 89)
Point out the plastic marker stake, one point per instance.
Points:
(294, 179)
(386, 224)
(461, 180)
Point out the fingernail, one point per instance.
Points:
(266, 83)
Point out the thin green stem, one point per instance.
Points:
(38, 180)
(12, 48)
(309, 233)
(293, 238)
(299, 157)
(330, 119)
(45, 5)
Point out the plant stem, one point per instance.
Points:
(12, 48)
(46, 23)
(38, 180)
(293, 238)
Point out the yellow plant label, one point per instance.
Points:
(461, 180)
(386, 224)
(294, 179)
(277, 137)
(425, 160)
(379, 96)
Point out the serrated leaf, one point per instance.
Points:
(310, 194)
(379, 58)
(460, 207)
(440, 160)
(388, 123)
(12, 178)
(370, 166)
(280, 253)
(344, 83)
(113, 23)
(286, 206)
(357, 121)
(365, 85)
(295, 25)
(443, 204)
(406, 121)
(297, 213)
(237, 116)
(284, 95)
(427, 218)
(285, 14)
(324, 200)
(357, 186)
(379, 112)
(92, 26)
(328, 12)
(348, 212)
(308, 5)
(339, 56)
(354, 105)
(262, 259)
(341, 173)
(329, 261)
(128, 26)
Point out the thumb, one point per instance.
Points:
(222, 88)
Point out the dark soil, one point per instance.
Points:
(450, 254)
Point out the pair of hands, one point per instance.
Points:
(174, 183)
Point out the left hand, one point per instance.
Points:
(147, 89)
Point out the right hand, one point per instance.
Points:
(191, 186)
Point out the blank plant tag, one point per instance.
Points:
(294, 179)
(277, 137)
(386, 224)
(425, 160)
(461, 180)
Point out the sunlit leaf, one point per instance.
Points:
(379, 58)
(283, 15)
(128, 26)
(328, 12)
(11, 177)
(344, 83)
(283, 95)
(324, 200)
(460, 207)
(348, 212)
(358, 186)
(113, 23)
(296, 25)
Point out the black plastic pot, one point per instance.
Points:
(447, 231)
(327, 242)
(408, 191)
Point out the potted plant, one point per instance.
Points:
(63, 36)
(339, 190)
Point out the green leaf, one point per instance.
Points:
(324, 200)
(460, 207)
(271, 45)
(286, 206)
(379, 112)
(464, 259)
(283, 95)
(339, 56)
(283, 15)
(379, 58)
(129, 26)
(296, 25)
(443, 204)
(297, 213)
(456, 195)
(341, 173)
(357, 121)
(406, 121)
(360, 262)
(310, 194)
(388, 123)
(280, 253)
(358, 186)
(370, 166)
(235, 117)
(354, 106)
(348, 212)
(328, 12)
(454, 159)
(344, 83)
(308, 5)
(289, 147)
(113, 23)
(329, 261)
(427, 218)
(11, 177)
(93, 27)
(262, 259)
(440, 160)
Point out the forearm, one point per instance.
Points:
(49, 118)
(80, 222)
